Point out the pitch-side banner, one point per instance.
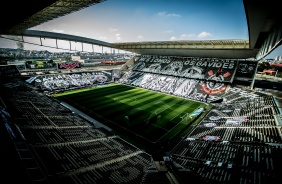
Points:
(73, 80)
(246, 69)
(219, 70)
(69, 65)
(8, 71)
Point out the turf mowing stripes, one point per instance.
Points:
(145, 113)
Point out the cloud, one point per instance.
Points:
(191, 36)
(58, 31)
(164, 14)
(103, 38)
(140, 37)
(204, 35)
(118, 36)
(113, 29)
(183, 37)
(168, 31)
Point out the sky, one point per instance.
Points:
(116, 21)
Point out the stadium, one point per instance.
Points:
(185, 113)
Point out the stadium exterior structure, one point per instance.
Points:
(45, 144)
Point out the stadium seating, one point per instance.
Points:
(243, 131)
(237, 141)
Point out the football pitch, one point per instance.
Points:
(152, 116)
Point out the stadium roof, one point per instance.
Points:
(17, 16)
(264, 25)
(200, 48)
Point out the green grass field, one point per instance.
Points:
(152, 116)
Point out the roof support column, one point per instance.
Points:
(40, 41)
(254, 77)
